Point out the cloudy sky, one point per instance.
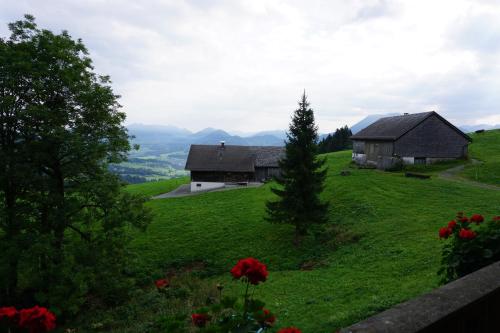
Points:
(241, 65)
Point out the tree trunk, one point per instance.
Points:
(59, 224)
(298, 236)
(12, 232)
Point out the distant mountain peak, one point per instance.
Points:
(205, 131)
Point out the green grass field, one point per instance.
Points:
(150, 189)
(485, 148)
(387, 249)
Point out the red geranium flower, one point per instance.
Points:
(9, 313)
(200, 319)
(477, 218)
(496, 218)
(445, 232)
(452, 224)
(162, 283)
(252, 269)
(37, 320)
(467, 234)
(265, 316)
(464, 219)
(289, 330)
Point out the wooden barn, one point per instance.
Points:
(214, 166)
(420, 138)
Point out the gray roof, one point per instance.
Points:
(232, 158)
(392, 128)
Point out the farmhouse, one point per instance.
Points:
(214, 166)
(420, 138)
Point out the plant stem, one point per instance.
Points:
(245, 305)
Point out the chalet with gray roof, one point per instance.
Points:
(214, 166)
(420, 138)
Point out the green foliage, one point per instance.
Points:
(340, 140)
(463, 256)
(302, 176)
(64, 216)
(230, 316)
(433, 168)
(150, 309)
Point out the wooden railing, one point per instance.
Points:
(468, 305)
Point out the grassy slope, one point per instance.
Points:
(396, 258)
(150, 189)
(486, 148)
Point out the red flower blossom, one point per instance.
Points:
(289, 330)
(464, 219)
(162, 283)
(452, 224)
(252, 269)
(477, 218)
(9, 313)
(496, 218)
(265, 316)
(200, 319)
(37, 320)
(467, 234)
(445, 232)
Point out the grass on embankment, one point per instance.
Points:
(485, 148)
(395, 258)
(151, 189)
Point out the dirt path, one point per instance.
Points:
(453, 174)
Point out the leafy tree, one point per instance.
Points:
(64, 215)
(302, 178)
(340, 140)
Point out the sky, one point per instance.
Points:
(242, 65)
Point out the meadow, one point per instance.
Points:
(381, 246)
(486, 149)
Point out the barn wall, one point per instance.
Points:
(376, 149)
(273, 172)
(432, 139)
(260, 174)
(264, 173)
(221, 177)
(358, 147)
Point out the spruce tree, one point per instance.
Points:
(302, 176)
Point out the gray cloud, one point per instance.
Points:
(480, 33)
(242, 65)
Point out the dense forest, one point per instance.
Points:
(340, 140)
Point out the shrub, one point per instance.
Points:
(33, 320)
(229, 315)
(471, 245)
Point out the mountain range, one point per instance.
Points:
(161, 139)
(171, 135)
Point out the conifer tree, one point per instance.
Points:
(302, 176)
(340, 140)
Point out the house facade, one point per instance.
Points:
(420, 138)
(214, 166)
